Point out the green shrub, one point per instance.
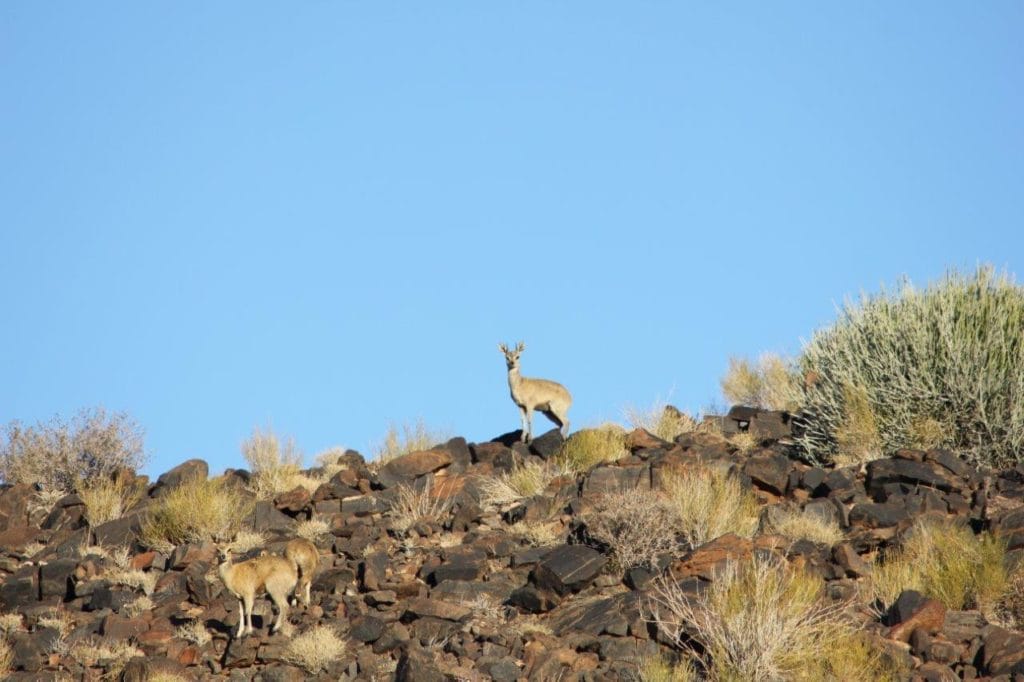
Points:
(63, 456)
(589, 447)
(708, 503)
(948, 562)
(942, 366)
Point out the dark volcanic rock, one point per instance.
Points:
(882, 473)
(193, 468)
(769, 472)
(872, 515)
(568, 568)
(407, 468)
(547, 445)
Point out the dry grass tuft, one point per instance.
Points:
(113, 655)
(857, 437)
(587, 448)
(418, 506)
(771, 384)
(664, 421)
(276, 468)
(137, 607)
(538, 534)
(6, 656)
(947, 562)
(925, 433)
(135, 579)
(744, 442)
(636, 524)
(797, 525)
(312, 529)
(709, 503)
(195, 632)
(328, 461)
(107, 499)
(246, 541)
(315, 649)
(762, 620)
(57, 619)
(659, 669)
(411, 439)
(198, 510)
(10, 623)
(524, 481)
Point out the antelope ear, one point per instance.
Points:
(520, 347)
(503, 348)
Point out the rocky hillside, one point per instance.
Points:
(426, 573)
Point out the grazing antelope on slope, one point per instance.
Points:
(275, 575)
(549, 397)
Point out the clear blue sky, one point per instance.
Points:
(325, 215)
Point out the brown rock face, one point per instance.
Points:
(912, 611)
(408, 467)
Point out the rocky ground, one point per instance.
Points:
(470, 596)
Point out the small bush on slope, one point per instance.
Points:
(797, 525)
(772, 384)
(709, 503)
(587, 448)
(763, 620)
(664, 421)
(198, 510)
(636, 524)
(945, 561)
(315, 649)
(945, 362)
(411, 439)
(107, 499)
(276, 468)
(63, 456)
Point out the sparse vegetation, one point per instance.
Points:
(951, 355)
(10, 623)
(524, 481)
(246, 541)
(763, 620)
(948, 562)
(538, 534)
(401, 440)
(194, 631)
(662, 420)
(107, 499)
(659, 669)
(63, 456)
(198, 510)
(276, 467)
(414, 506)
(857, 437)
(772, 384)
(744, 442)
(315, 649)
(709, 503)
(638, 525)
(6, 655)
(798, 525)
(312, 529)
(112, 654)
(587, 448)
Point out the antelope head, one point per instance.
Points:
(512, 355)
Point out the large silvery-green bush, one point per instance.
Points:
(940, 366)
